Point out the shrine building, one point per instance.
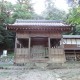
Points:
(42, 41)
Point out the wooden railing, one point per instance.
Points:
(56, 51)
(22, 51)
(39, 52)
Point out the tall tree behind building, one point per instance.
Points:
(23, 10)
(53, 13)
(74, 15)
(5, 36)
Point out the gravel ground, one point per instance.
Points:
(39, 71)
(40, 74)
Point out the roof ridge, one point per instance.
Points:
(37, 21)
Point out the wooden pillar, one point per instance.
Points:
(15, 44)
(29, 46)
(75, 55)
(64, 56)
(15, 51)
(49, 46)
(20, 45)
(62, 45)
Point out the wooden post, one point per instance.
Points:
(62, 42)
(15, 51)
(15, 42)
(15, 45)
(75, 55)
(49, 46)
(20, 45)
(62, 47)
(29, 46)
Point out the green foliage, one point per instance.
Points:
(74, 16)
(6, 37)
(52, 13)
(78, 29)
(74, 19)
(73, 3)
(1, 36)
(23, 10)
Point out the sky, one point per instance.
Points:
(39, 5)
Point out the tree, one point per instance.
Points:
(23, 10)
(6, 37)
(6, 10)
(73, 3)
(52, 13)
(73, 17)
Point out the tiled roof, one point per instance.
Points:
(39, 23)
(71, 36)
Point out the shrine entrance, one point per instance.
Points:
(39, 47)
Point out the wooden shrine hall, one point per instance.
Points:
(39, 40)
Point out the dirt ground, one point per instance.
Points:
(39, 71)
(40, 74)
